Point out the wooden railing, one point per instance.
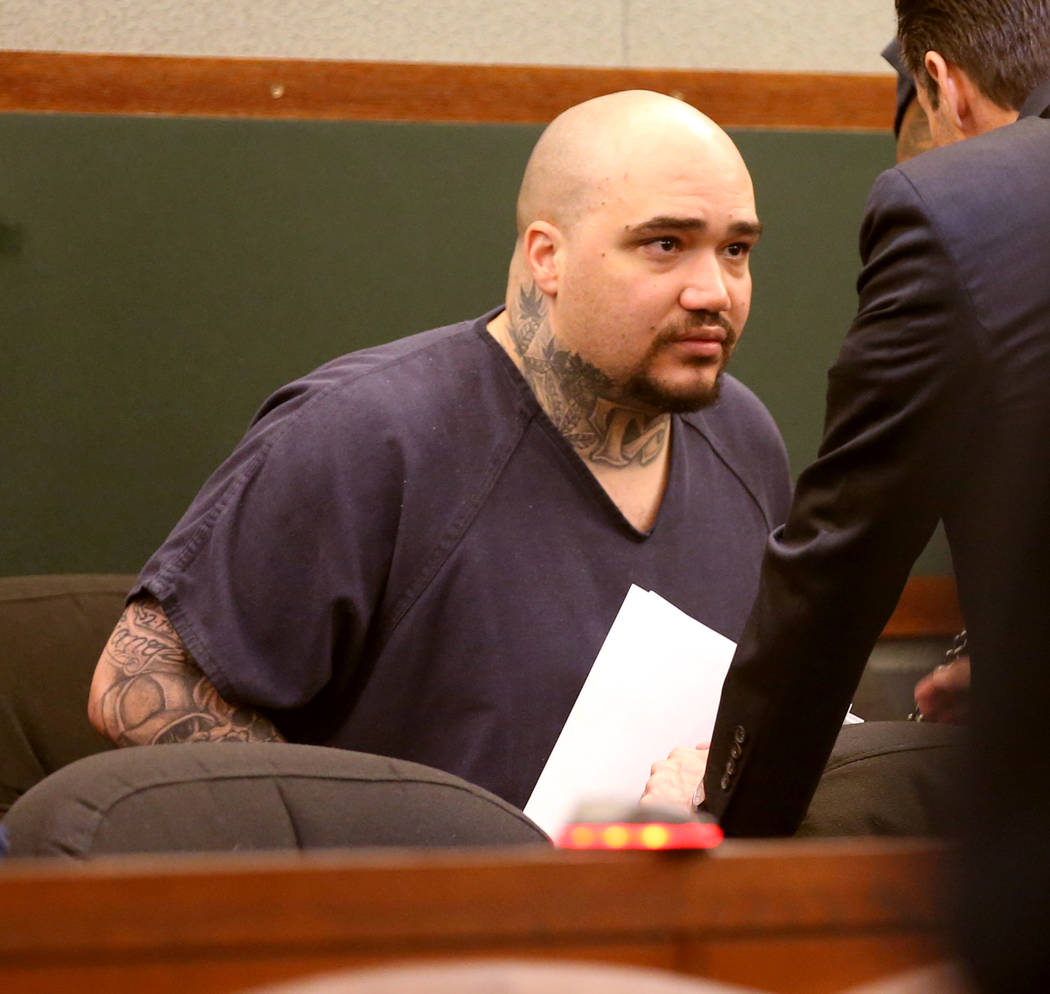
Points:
(791, 916)
(419, 91)
(928, 608)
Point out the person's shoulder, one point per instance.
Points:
(955, 174)
(743, 434)
(739, 427)
(451, 347)
(958, 201)
(408, 377)
(929, 172)
(738, 416)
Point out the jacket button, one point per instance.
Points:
(730, 767)
(739, 735)
(735, 751)
(726, 781)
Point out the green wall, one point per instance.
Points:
(158, 277)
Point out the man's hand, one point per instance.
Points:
(674, 780)
(944, 694)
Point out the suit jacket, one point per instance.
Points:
(938, 408)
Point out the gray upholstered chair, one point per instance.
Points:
(219, 796)
(70, 792)
(74, 794)
(52, 629)
(889, 778)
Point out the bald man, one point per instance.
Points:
(418, 549)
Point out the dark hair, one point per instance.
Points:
(1002, 45)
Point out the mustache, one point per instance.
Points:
(697, 320)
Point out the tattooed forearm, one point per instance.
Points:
(148, 690)
(140, 642)
(578, 397)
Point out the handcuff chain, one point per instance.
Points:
(957, 649)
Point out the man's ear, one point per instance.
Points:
(542, 245)
(954, 89)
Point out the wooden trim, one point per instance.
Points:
(928, 607)
(391, 91)
(772, 915)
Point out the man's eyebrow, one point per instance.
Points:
(670, 223)
(667, 223)
(752, 228)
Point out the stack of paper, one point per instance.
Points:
(655, 685)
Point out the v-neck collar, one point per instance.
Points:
(540, 416)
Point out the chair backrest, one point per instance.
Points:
(889, 778)
(52, 629)
(226, 796)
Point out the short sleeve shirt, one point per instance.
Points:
(403, 555)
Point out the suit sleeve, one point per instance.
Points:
(862, 512)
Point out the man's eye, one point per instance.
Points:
(738, 250)
(668, 244)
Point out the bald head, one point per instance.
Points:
(636, 220)
(590, 147)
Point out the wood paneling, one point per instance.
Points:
(928, 607)
(803, 916)
(387, 91)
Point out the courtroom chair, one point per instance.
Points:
(502, 977)
(889, 778)
(67, 790)
(238, 796)
(52, 630)
(883, 778)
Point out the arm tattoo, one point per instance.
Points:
(157, 694)
(577, 396)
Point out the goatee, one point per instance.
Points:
(641, 386)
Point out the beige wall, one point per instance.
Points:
(795, 35)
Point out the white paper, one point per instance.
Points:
(654, 685)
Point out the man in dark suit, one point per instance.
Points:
(938, 408)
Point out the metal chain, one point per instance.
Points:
(958, 648)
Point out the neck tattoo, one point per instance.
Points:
(578, 397)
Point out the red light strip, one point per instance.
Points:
(652, 836)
